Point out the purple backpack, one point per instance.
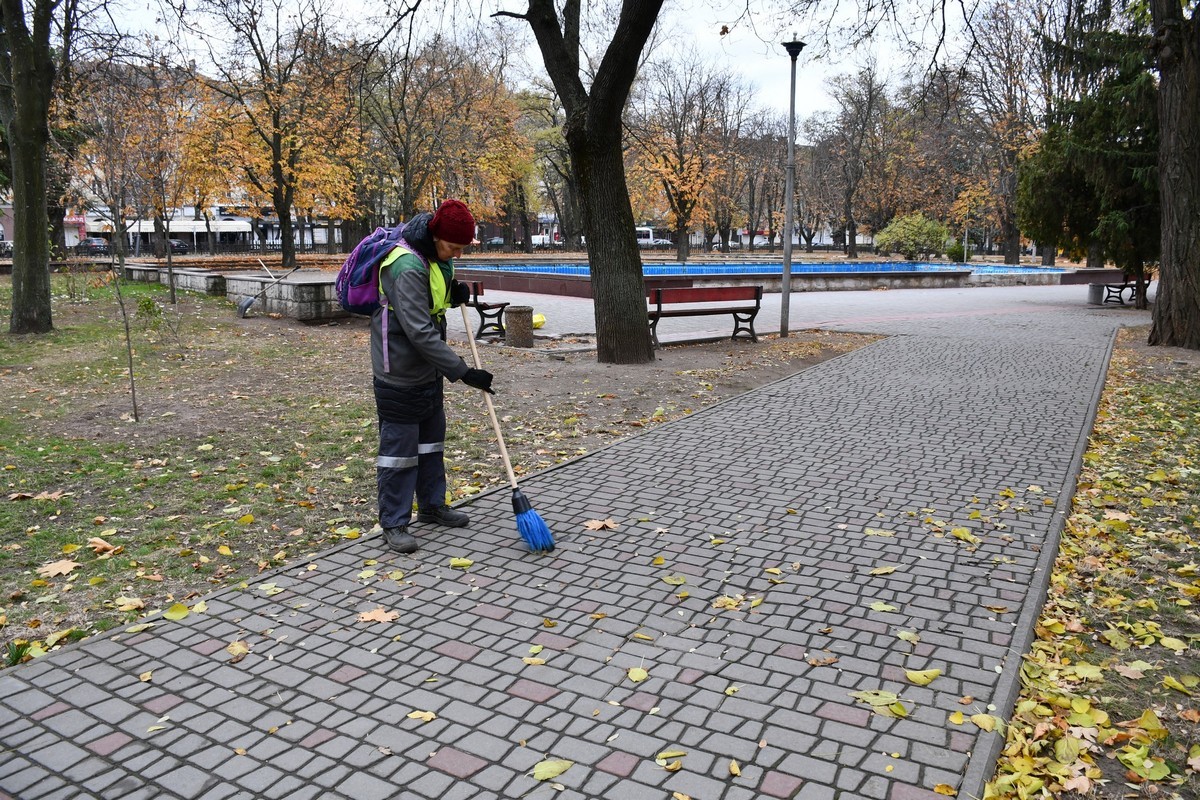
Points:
(357, 283)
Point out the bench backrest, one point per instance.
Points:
(476, 289)
(704, 294)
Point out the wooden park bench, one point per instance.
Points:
(1113, 291)
(700, 301)
(491, 315)
(1109, 282)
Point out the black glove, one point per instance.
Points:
(459, 293)
(480, 379)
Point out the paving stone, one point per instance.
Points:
(456, 763)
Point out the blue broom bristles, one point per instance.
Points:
(532, 527)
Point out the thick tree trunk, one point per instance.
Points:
(1177, 306)
(25, 111)
(31, 310)
(682, 243)
(593, 133)
(618, 288)
(283, 209)
(1010, 233)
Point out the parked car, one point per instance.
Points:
(179, 246)
(92, 246)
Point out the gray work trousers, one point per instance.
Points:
(412, 434)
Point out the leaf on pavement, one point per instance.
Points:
(986, 722)
(551, 768)
(601, 524)
(922, 677)
(964, 534)
(176, 612)
(380, 614)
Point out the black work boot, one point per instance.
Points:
(443, 515)
(400, 540)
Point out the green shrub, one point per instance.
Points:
(955, 252)
(913, 235)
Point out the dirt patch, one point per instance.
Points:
(215, 389)
(1162, 361)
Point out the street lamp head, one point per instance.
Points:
(793, 47)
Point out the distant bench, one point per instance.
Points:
(491, 315)
(687, 302)
(1113, 282)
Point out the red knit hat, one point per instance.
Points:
(453, 223)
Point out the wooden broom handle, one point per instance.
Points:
(487, 397)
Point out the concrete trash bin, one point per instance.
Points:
(1095, 294)
(518, 326)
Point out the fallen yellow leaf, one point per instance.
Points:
(551, 768)
(922, 677)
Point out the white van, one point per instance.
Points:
(646, 238)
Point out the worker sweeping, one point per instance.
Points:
(409, 358)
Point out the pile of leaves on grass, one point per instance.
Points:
(1110, 706)
(254, 444)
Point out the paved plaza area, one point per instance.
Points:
(721, 619)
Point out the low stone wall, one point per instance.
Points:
(189, 280)
(307, 295)
(1015, 279)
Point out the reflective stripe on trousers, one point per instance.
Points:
(410, 462)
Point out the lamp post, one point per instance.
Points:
(793, 50)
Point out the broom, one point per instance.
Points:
(531, 526)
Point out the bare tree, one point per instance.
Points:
(283, 78)
(766, 159)
(544, 118)
(110, 181)
(1003, 78)
(861, 100)
(593, 131)
(671, 127)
